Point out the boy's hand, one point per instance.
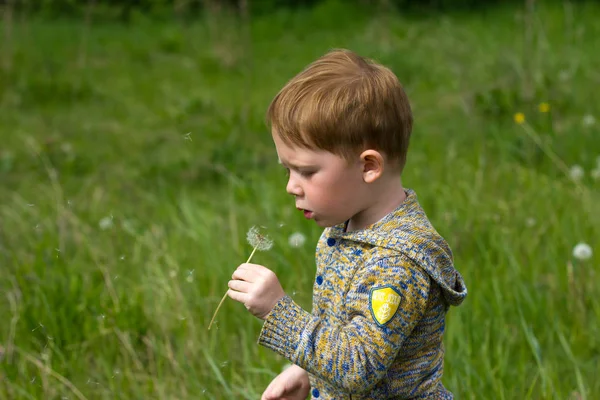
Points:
(291, 384)
(257, 287)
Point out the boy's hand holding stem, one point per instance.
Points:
(256, 286)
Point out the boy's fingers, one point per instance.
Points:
(254, 267)
(237, 296)
(239, 286)
(243, 274)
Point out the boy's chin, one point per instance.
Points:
(326, 223)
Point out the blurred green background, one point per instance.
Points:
(134, 158)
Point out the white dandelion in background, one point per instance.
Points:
(106, 223)
(576, 172)
(588, 120)
(530, 222)
(190, 276)
(296, 239)
(582, 251)
(259, 241)
(564, 75)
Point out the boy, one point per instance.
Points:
(385, 277)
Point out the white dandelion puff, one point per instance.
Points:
(66, 147)
(296, 240)
(106, 223)
(576, 172)
(588, 120)
(190, 276)
(582, 251)
(530, 222)
(258, 240)
(564, 75)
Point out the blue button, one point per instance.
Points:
(319, 280)
(316, 393)
(330, 241)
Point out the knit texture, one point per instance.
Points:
(379, 303)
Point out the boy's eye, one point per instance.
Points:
(307, 174)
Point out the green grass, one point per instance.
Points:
(99, 131)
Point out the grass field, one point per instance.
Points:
(133, 160)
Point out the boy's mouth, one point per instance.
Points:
(307, 213)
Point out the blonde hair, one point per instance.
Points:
(344, 103)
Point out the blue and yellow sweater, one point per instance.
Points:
(379, 303)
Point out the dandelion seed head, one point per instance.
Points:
(66, 147)
(259, 240)
(530, 222)
(564, 75)
(296, 240)
(106, 223)
(173, 273)
(588, 120)
(582, 251)
(576, 172)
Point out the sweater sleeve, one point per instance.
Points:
(385, 301)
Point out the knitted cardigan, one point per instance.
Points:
(380, 299)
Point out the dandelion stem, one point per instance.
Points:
(225, 295)
(251, 254)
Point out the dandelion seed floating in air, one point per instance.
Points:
(582, 251)
(260, 242)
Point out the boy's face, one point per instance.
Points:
(326, 187)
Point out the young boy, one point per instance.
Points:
(385, 278)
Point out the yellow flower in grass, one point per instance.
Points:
(519, 118)
(544, 107)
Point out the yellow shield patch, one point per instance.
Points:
(384, 303)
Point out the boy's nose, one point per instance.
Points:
(293, 188)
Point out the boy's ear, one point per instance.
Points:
(372, 165)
